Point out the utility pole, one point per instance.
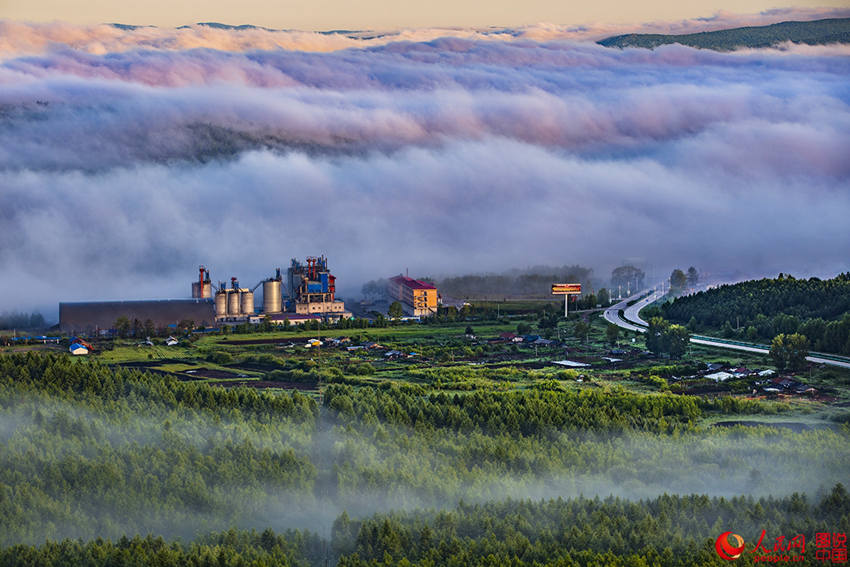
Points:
(319, 329)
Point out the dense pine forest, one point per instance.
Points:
(663, 531)
(762, 309)
(140, 469)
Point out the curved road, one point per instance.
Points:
(632, 313)
(635, 323)
(612, 314)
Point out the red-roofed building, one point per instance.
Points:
(418, 298)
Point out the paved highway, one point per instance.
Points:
(632, 313)
(635, 323)
(828, 362)
(612, 314)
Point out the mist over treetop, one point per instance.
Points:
(90, 450)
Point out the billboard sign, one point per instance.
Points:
(566, 289)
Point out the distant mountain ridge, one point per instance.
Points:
(815, 32)
(220, 26)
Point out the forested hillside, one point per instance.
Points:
(88, 451)
(762, 309)
(818, 32)
(664, 531)
(668, 530)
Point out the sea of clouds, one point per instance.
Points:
(129, 156)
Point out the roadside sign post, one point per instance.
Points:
(566, 289)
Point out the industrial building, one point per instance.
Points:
(202, 289)
(272, 296)
(311, 295)
(417, 298)
(234, 304)
(312, 289)
(88, 317)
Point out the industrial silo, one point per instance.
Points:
(247, 299)
(272, 295)
(221, 304)
(233, 303)
(202, 287)
(201, 290)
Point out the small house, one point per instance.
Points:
(78, 350)
(719, 376)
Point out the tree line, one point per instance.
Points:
(667, 530)
(23, 321)
(87, 450)
(759, 310)
(818, 32)
(525, 412)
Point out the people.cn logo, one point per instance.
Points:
(725, 549)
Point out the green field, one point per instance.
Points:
(443, 357)
(351, 457)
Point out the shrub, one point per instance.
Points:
(220, 357)
(365, 369)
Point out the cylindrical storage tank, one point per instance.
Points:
(199, 292)
(221, 304)
(271, 296)
(247, 302)
(233, 303)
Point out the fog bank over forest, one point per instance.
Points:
(632, 465)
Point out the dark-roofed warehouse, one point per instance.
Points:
(89, 316)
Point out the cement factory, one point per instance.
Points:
(309, 294)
